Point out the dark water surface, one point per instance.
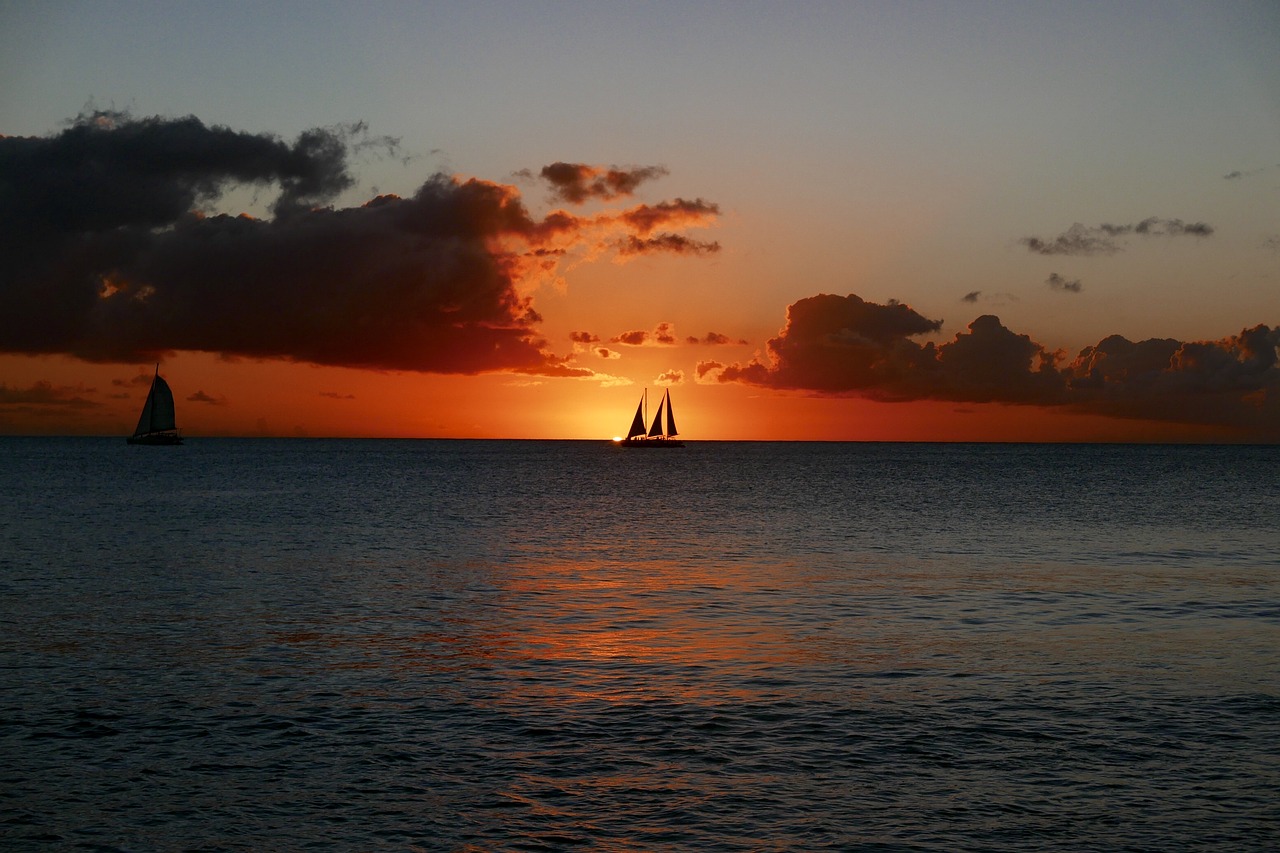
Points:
(436, 645)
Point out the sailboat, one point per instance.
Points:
(661, 434)
(157, 424)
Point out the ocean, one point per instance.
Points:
(304, 644)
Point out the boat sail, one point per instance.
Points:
(661, 434)
(157, 424)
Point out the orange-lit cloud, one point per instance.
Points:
(842, 345)
(708, 372)
(107, 257)
(664, 334)
(646, 218)
(675, 244)
(670, 377)
(714, 339)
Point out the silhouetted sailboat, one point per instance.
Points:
(661, 434)
(157, 425)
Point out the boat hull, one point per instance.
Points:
(156, 438)
(651, 442)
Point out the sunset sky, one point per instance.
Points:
(848, 221)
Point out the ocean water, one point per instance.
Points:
(469, 645)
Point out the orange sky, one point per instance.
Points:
(302, 400)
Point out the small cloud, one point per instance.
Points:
(646, 218)
(335, 395)
(606, 353)
(202, 397)
(1240, 174)
(670, 377)
(45, 393)
(672, 243)
(1102, 239)
(635, 338)
(664, 334)
(708, 372)
(140, 380)
(714, 339)
(576, 183)
(997, 298)
(1057, 282)
(584, 337)
(608, 381)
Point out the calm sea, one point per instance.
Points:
(466, 645)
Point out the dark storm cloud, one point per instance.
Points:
(109, 170)
(846, 346)
(106, 256)
(576, 183)
(1103, 239)
(1057, 282)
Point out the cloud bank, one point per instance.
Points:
(843, 345)
(108, 257)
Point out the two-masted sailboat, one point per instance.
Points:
(661, 434)
(157, 425)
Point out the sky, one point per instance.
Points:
(808, 221)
